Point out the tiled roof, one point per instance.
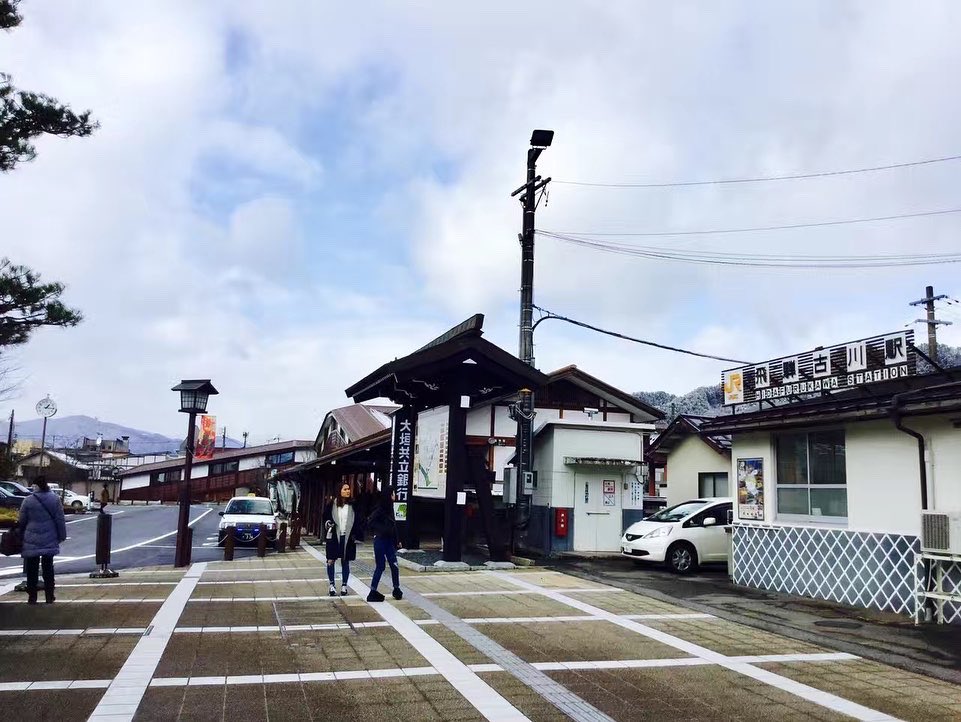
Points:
(223, 455)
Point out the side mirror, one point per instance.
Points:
(709, 521)
(221, 513)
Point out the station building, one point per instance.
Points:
(847, 472)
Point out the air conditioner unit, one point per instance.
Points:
(941, 532)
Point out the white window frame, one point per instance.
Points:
(836, 521)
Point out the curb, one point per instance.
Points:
(889, 658)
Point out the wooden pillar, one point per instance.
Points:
(457, 471)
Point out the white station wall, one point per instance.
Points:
(691, 457)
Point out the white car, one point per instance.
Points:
(73, 502)
(682, 536)
(245, 514)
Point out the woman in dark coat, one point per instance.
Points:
(42, 528)
(339, 533)
(383, 526)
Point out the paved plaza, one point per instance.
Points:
(260, 639)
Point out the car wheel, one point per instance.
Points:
(681, 558)
(77, 507)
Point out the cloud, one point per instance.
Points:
(284, 198)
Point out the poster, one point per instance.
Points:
(610, 492)
(206, 438)
(430, 453)
(750, 489)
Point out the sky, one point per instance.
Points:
(284, 196)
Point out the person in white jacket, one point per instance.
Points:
(339, 535)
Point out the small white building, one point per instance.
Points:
(833, 489)
(694, 465)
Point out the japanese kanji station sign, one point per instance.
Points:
(402, 458)
(867, 361)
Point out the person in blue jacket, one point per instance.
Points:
(42, 528)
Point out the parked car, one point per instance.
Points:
(682, 536)
(74, 502)
(9, 501)
(245, 514)
(12, 487)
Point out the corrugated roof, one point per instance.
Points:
(222, 455)
(361, 421)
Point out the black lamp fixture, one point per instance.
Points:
(542, 138)
(194, 394)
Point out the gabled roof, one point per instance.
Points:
(607, 392)
(687, 425)
(460, 352)
(359, 420)
(59, 456)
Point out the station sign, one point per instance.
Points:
(823, 370)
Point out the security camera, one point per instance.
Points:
(590, 412)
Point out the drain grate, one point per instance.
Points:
(838, 624)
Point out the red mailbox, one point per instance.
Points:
(561, 521)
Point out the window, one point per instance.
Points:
(712, 484)
(287, 457)
(224, 467)
(262, 507)
(720, 513)
(678, 512)
(162, 477)
(811, 475)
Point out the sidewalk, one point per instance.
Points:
(934, 650)
(260, 639)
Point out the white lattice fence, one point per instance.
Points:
(951, 584)
(856, 568)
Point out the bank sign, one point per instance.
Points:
(847, 365)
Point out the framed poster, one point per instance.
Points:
(430, 453)
(750, 489)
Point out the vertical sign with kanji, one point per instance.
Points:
(401, 460)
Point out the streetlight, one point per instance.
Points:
(193, 400)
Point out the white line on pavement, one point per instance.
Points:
(127, 689)
(6, 571)
(811, 694)
(511, 592)
(410, 672)
(490, 703)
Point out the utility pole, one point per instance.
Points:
(931, 321)
(10, 437)
(524, 410)
(245, 438)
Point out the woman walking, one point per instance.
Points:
(339, 531)
(42, 528)
(383, 526)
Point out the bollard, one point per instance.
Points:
(262, 541)
(229, 542)
(104, 533)
(282, 538)
(295, 533)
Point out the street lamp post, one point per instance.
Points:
(193, 400)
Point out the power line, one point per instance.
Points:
(755, 229)
(763, 179)
(759, 260)
(550, 315)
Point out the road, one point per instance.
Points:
(142, 536)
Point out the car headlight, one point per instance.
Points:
(659, 532)
(223, 525)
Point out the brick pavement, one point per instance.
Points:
(261, 640)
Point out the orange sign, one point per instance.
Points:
(206, 438)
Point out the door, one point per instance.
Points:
(597, 513)
(711, 541)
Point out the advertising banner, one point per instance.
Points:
(430, 453)
(206, 438)
(750, 489)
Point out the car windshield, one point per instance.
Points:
(676, 513)
(250, 506)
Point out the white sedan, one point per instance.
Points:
(681, 536)
(245, 514)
